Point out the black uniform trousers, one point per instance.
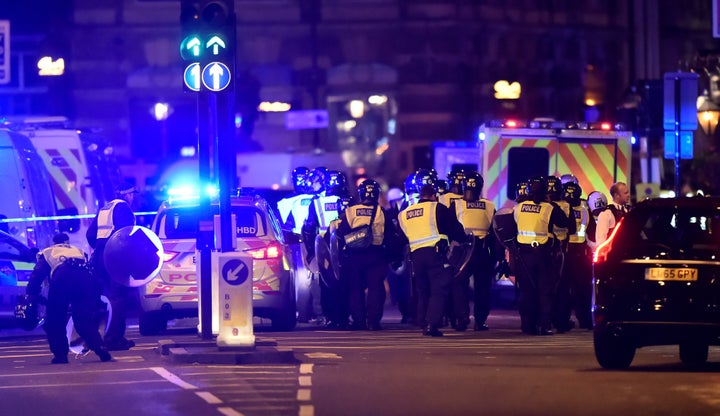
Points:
(72, 287)
(117, 294)
(562, 302)
(334, 293)
(431, 278)
(482, 267)
(366, 268)
(536, 281)
(578, 274)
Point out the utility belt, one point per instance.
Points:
(75, 263)
(537, 244)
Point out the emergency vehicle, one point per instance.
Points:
(80, 168)
(597, 154)
(27, 197)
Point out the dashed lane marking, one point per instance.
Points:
(172, 378)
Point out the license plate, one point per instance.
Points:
(672, 274)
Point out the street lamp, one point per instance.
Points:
(708, 114)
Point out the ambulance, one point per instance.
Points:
(80, 168)
(511, 151)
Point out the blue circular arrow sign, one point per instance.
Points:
(192, 76)
(235, 272)
(216, 76)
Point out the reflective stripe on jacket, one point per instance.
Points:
(105, 218)
(419, 223)
(533, 221)
(359, 215)
(326, 208)
(475, 216)
(56, 255)
(581, 216)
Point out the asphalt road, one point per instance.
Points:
(396, 371)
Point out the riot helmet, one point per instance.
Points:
(424, 177)
(409, 184)
(597, 201)
(537, 189)
(522, 193)
(335, 183)
(316, 180)
(554, 188)
(572, 193)
(472, 186)
(343, 204)
(299, 178)
(369, 191)
(442, 187)
(568, 177)
(456, 177)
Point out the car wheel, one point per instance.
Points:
(285, 318)
(152, 323)
(693, 353)
(612, 351)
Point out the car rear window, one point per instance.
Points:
(182, 222)
(681, 228)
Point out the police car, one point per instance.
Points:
(173, 294)
(657, 281)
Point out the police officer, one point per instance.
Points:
(428, 227)
(327, 188)
(115, 215)
(336, 298)
(613, 213)
(455, 181)
(561, 319)
(597, 202)
(476, 215)
(411, 192)
(578, 268)
(293, 209)
(71, 287)
(536, 280)
(366, 265)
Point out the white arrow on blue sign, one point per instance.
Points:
(216, 76)
(192, 76)
(235, 272)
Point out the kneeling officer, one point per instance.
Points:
(71, 285)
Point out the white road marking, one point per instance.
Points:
(209, 397)
(305, 381)
(306, 368)
(303, 395)
(306, 410)
(229, 411)
(172, 378)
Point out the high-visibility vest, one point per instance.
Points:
(533, 221)
(359, 215)
(419, 223)
(299, 211)
(475, 216)
(326, 208)
(448, 198)
(105, 218)
(582, 217)
(561, 232)
(57, 254)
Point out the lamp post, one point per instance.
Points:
(708, 114)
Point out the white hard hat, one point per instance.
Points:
(394, 194)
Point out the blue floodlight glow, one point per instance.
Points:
(633, 140)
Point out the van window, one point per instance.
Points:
(525, 163)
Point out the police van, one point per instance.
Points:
(81, 171)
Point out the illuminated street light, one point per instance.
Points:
(708, 114)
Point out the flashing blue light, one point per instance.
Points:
(190, 192)
(481, 136)
(238, 120)
(633, 140)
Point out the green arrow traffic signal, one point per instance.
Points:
(190, 48)
(216, 43)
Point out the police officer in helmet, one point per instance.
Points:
(476, 215)
(427, 227)
(71, 287)
(536, 280)
(366, 261)
(115, 215)
(578, 268)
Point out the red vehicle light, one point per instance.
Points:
(601, 252)
(272, 251)
(605, 126)
(511, 123)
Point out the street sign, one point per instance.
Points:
(192, 76)
(216, 76)
(306, 119)
(4, 51)
(235, 272)
(686, 145)
(680, 103)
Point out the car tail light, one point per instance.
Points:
(603, 249)
(271, 251)
(169, 255)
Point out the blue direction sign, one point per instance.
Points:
(192, 76)
(235, 272)
(216, 76)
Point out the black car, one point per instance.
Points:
(656, 281)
